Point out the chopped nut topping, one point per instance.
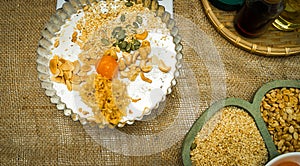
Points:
(229, 138)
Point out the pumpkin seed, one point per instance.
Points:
(135, 25)
(128, 47)
(121, 35)
(136, 42)
(123, 45)
(116, 31)
(133, 31)
(132, 47)
(139, 19)
(128, 26)
(136, 47)
(122, 18)
(129, 4)
(118, 42)
(105, 41)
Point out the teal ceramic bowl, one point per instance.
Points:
(227, 5)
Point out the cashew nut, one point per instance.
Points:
(86, 68)
(146, 69)
(135, 56)
(124, 74)
(133, 75)
(121, 64)
(143, 52)
(155, 60)
(148, 49)
(128, 58)
(142, 36)
(144, 78)
(145, 43)
(163, 67)
(143, 62)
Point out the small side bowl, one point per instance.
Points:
(281, 160)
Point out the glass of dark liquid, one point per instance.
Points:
(256, 16)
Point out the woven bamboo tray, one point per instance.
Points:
(272, 43)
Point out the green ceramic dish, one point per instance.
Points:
(252, 108)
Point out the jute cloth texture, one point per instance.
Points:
(34, 132)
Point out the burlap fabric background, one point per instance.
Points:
(34, 132)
